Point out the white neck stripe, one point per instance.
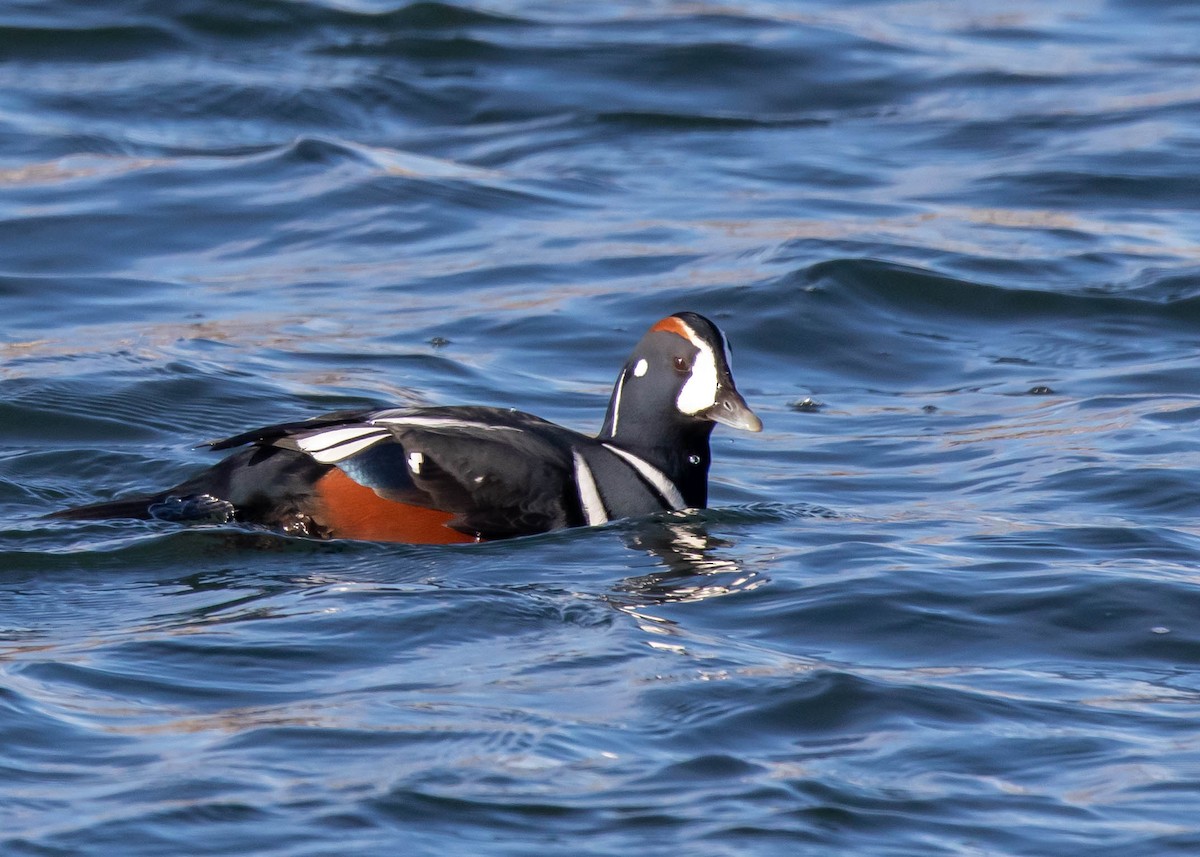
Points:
(665, 487)
(617, 401)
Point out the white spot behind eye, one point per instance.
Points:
(640, 368)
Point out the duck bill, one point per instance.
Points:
(730, 409)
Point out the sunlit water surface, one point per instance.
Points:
(947, 603)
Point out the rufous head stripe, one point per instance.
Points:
(671, 324)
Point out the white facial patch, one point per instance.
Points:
(640, 368)
(415, 460)
(700, 391)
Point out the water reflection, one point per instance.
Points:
(694, 567)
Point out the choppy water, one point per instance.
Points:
(947, 603)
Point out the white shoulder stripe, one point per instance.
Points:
(664, 486)
(589, 495)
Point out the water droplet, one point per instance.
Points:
(1159, 629)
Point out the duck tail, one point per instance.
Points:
(130, 507)
(166, 506)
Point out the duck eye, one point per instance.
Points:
(681, 365)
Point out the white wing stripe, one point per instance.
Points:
(438, 422)
(664, 486)
(589, 495)
(334, 454)
(334, 437)
(335, 444)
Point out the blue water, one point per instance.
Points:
(947, 603)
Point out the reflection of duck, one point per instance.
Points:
(459, 474)
(693, 570)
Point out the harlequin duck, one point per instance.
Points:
(465, 474)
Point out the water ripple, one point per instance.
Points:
(942, 604)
